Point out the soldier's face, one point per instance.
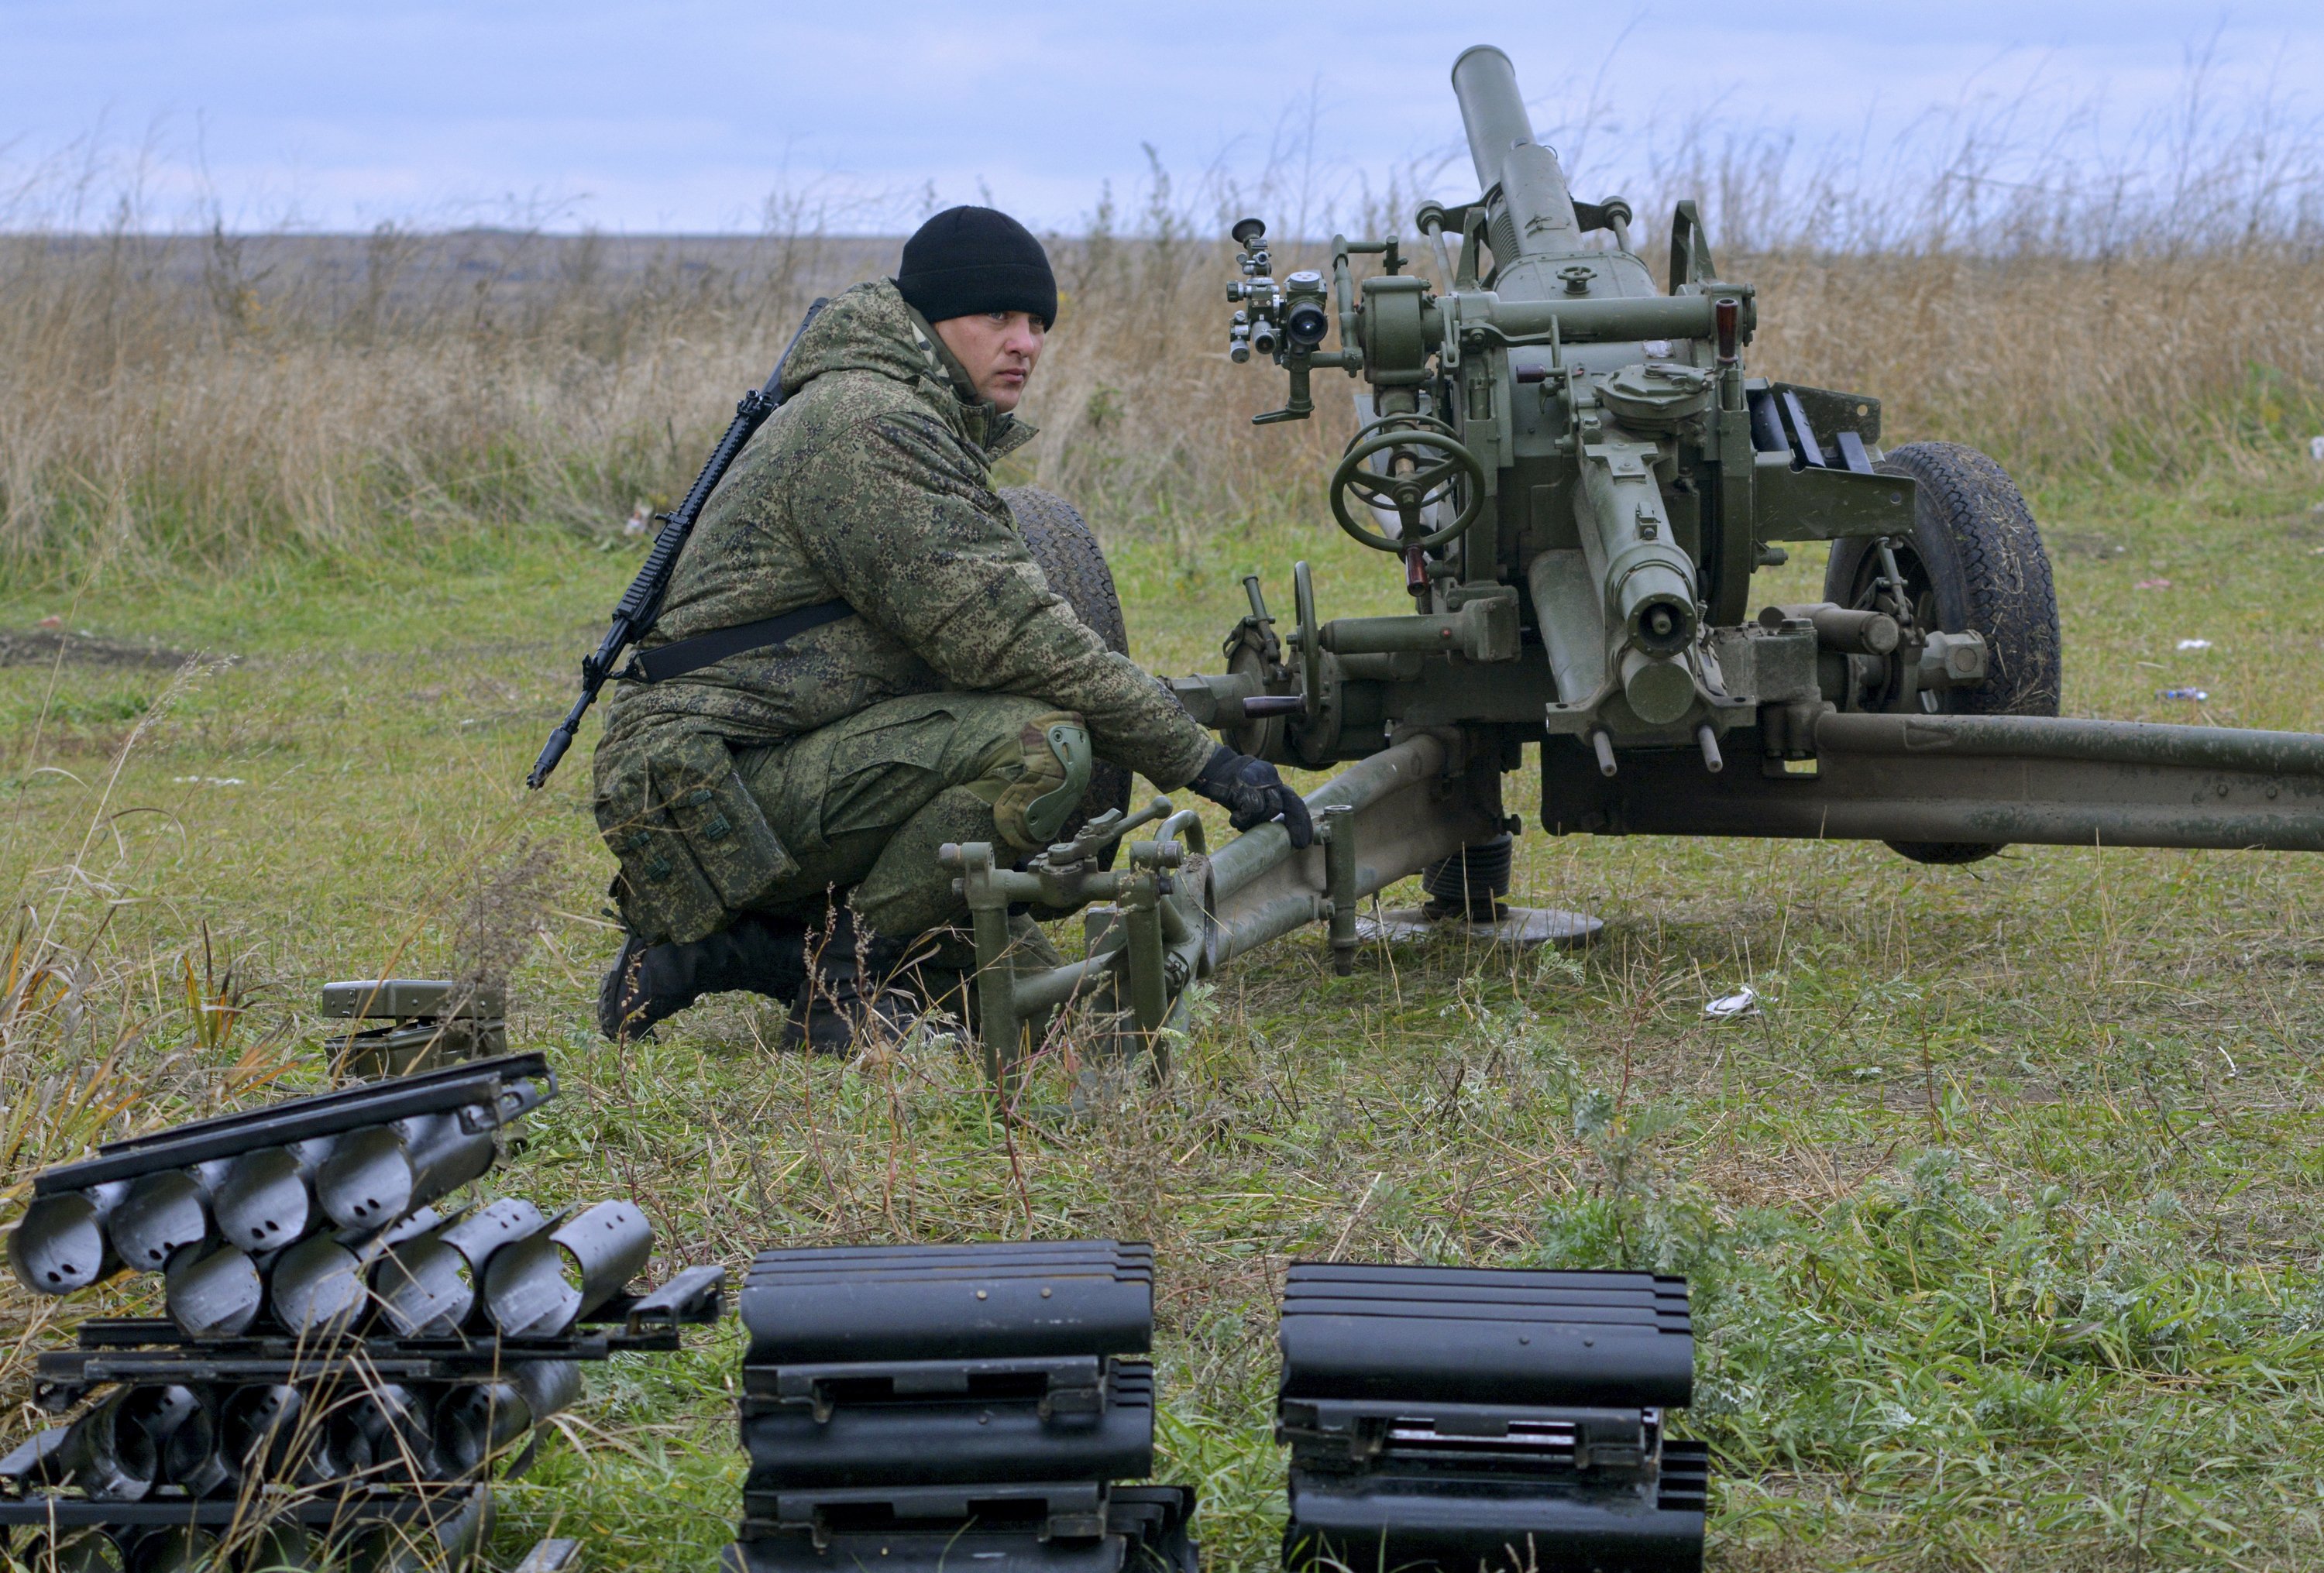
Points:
(996, 349)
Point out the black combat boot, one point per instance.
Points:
(860, 991)
(646, 983)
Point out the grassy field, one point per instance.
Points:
(2001, 1217)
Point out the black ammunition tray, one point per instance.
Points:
(1478, 1335)
(836, 1306)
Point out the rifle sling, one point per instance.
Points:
(680, 657)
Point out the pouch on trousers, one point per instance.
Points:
(695, 850)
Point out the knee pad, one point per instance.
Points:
(1041, 776)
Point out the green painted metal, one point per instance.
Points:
(1576, 477)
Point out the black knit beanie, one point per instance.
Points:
(971, 260)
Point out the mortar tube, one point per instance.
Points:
(61, 1245)
(605, 1248)
(524, 1292)
(105, 1457)
(377, 1175)
(181, 1424)
(367, 1180)
(381, 1432)
(183, 1549)
(214, 1296)
(112, 1458)
(264, 1430)
(487, 1229)
(81, 1551)
(423, 1288)
(163, 1215)
(476, 1421)
(284, 1546)
(420, 1545)
(318, 1287)
(539, 1286)
(549, 1386)
(447, 1155)
(265, 1199)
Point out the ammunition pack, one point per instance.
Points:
(1451, 1418)
(431, 1022)
(976, 1405)
(347, 1359)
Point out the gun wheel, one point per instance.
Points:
(1071, 559)
(1974, 561)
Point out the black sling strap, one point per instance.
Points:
(680, 657)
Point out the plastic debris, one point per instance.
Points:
(2196, 694)
(2152, 584)
(2194, 644)
(209, 780)
(1743, 1001)
(636, 523)
(2316, 450)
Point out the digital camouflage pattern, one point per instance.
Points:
(871, 484)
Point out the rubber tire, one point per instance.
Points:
(1072, 562)
(1980, 566)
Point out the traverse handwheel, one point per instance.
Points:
(1426, 464)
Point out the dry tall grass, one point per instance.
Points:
(185, 400)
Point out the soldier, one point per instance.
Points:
(858, 660)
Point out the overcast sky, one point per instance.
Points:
(687, 116)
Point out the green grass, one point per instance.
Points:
(2000, 1216)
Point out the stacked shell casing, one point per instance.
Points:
(1442, 1420)
(347, 1355)
(918, 1407)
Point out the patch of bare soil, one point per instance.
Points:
(48, 646)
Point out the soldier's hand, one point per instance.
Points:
(1252, 794)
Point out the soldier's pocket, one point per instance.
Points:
(694, 847)
(882, 773)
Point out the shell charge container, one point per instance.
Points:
(954, 1406)
(973, 1303)
(1441, 1418)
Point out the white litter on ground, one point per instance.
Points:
(1743, 1001)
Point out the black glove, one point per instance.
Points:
(1252, 794)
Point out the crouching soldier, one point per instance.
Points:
(858, 660)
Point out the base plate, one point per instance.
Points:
(1521, 927)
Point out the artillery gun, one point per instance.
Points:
(1577, 477)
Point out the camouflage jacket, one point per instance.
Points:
(872, 485)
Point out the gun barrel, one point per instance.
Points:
(1537, 217)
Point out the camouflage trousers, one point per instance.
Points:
(864, 803)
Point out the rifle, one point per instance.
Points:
(635, 617)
